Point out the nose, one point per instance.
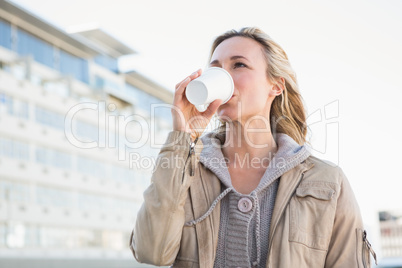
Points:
(227, 68)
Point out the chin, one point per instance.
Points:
(227, 114)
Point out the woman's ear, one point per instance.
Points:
(278, 87)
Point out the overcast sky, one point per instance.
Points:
(346, 53)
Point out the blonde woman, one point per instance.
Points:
(248, 194)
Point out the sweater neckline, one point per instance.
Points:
(288, 156)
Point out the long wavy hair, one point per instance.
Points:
(287, 114)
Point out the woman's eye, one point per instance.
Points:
(239, 64)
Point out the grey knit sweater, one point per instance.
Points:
(244, 226)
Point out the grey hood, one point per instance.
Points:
(288, 155)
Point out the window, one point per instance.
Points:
(87, 131)
(21, 109)
(46, 54)
(92, 202)
(102, 83)
(49, 118)
(32, 238)
(53, 158)
(107, 62)
(163, 113)
(126, 207)
(3, 234)
(6, 103)
(74, 66)
(144, 100)
(88, 202)
(5, 36)
(25, 235)
(53, 237)
(143, 180)
(13, 191)
(91, 167)
(19, 192)
(14, 107)
(47, 196)
(3, 190)
(123, 175)
(14, 149)
(41, 51)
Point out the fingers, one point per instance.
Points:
(213, 107)
(183, 84)
(198, 72)
(180, 88)
(195, 74)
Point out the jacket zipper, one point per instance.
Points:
(367, 246)
(192, 157)
(287, 203)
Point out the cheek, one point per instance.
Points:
(253, 91)
(251, 84)
(242, 82)
(254, 102)
(253, 94)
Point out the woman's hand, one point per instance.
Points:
(185, 116)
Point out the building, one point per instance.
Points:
(77, 141)
(391, 238)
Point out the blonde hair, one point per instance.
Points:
(287, 113)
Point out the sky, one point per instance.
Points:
(347, 56)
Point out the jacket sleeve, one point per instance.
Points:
(160, 220)
(348, 246)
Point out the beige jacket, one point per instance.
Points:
(316, 220)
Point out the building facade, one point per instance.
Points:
(78, 140)
(391, 238)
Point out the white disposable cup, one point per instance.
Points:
(215, 83)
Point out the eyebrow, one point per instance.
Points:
(231, 58)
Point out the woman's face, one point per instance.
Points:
(253, 93)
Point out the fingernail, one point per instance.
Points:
(188, 78)
(194, 73)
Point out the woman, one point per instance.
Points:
(248, 194)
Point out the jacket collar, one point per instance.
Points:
(289, 155)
